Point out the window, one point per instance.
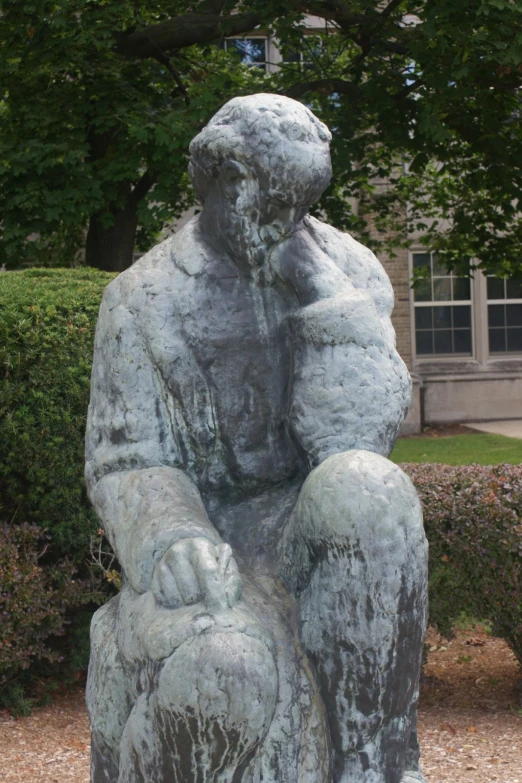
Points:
(504, 315)
(442, 304)
(304, 59)
(251, 51)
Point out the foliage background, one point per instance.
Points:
(100, 98)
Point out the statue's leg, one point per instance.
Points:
(108, 699)
(355, 554)
(210, 707)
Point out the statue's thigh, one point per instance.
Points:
(211, 707)
(108, 695)
(355, 554)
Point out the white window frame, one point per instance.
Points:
(500, 354)
(440, 357)
(301, 61)
(480, 358)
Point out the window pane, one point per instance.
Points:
(438, 269)
(422, 291)
(442, 317)
(514, 314)
(423, 317)
(497, 340)
(313, 47)
(462, 340)
(441, 289)
(496, 315)
(251, 50)
(424, 342)
(421, 259)
(514, 339)
(291, 56)
(514, 289)
(461, 316)
(461, 288)
(495, 288)
(443, 341)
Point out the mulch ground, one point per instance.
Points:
(470, 721)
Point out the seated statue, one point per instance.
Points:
(246, 392)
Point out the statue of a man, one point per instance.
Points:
(246, 392)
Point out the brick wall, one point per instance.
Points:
(397, 270)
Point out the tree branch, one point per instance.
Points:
(390, 8)
(141, 188)
(182, 31)
(333, 11)
(407, 90)
(210, 6)
(182, 90)
(326, 86)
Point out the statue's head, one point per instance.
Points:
(258, 166)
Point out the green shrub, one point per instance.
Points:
(473, 520)
(47, 321)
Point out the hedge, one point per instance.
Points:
(473, 514)
(473, 521)
(47, 321)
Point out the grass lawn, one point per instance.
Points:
(481, 448)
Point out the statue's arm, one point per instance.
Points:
(350, 388)
(133, 470)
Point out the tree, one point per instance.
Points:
(100, 98)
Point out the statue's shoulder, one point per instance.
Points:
(162, 273)
(358, 262)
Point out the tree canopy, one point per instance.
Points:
(100, 98)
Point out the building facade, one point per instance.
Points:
(461, 339)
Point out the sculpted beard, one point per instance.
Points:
(247, 238)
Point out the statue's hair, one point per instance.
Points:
(276, 136)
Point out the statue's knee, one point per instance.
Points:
(228, 678)
(360, 499)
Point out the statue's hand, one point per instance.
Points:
(193, 570)
(300, 262)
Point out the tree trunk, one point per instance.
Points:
(111, 248)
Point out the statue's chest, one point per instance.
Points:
(222, 352)
(236, 330)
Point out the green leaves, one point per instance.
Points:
(431, 84)
(47, 320)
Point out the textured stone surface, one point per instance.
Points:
(245, 393)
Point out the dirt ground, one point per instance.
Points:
(470, 721)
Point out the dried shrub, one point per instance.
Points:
(473, 520)
(35, 600)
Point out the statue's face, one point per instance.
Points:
(254, 211)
